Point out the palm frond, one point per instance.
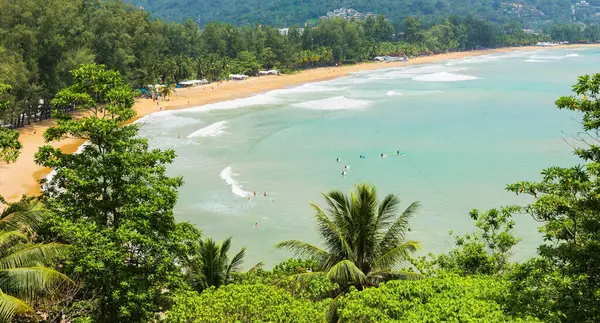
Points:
(345, 272)
(257, 267)
(224, 248)
(333, 235)
(11, 306)
(236, 262)
(26, 212)
(397, 231)
(25, 282)
(387, 210)
(8, 239)
(34, 255)
(305, 250)
(396, 255)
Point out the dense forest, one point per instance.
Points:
(101, 244)
(283, 13)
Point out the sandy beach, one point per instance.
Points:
(22, 176)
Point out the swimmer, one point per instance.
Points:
(254, 193)
(256, 225)
(337, 160)
(344, 173)
(178, 137)
(383, 155)
(346, 167)
(265, 194)
(398, 152)
(248, 198)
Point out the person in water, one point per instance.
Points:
(344, 173)
(265, 194)
(337, 160)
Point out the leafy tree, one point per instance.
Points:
(487, 251)
(9, 139)
(115, 202)
(566, 202)
(364, 238)
(212, 266)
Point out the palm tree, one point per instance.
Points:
(167, 90)
(22, 272)
(212, 266)
(364, 238)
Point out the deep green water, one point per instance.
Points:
(467, 128)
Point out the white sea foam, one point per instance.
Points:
(262, 99)
(307, 88)
(335, 103)
(213, 130)
(164, 120)
(531, 60)
(445, 77)
(393, 93)
(237, 189)
(553, 57)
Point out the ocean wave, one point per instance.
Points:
(262, 99)
(477, 59)
(553, 57)
(393, 93)
(335, 103)
(236, 188)
(165, 120)
(531, 60)
(213, 130)
(444, 77)
(307, 88)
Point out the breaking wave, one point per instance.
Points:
(335, 103)
(213, 130)
(237, 189)
(445, 77)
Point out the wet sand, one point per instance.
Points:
(22, 176)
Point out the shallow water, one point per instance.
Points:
(466, 127)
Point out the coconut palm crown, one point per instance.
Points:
(23, 276)
(364, 238)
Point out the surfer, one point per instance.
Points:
(344, 173)
(346, 167)
(383, 155)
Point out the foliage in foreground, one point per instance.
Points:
(114, 203)
(24, 274)
(244, 303)
(448, 298)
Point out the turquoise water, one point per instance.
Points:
(467, 128)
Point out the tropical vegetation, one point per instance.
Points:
(364, 238)
(101, 243)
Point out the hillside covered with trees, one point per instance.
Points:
(283, 13)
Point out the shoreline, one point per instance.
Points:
(22, 176)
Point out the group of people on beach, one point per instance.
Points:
(361, 156)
